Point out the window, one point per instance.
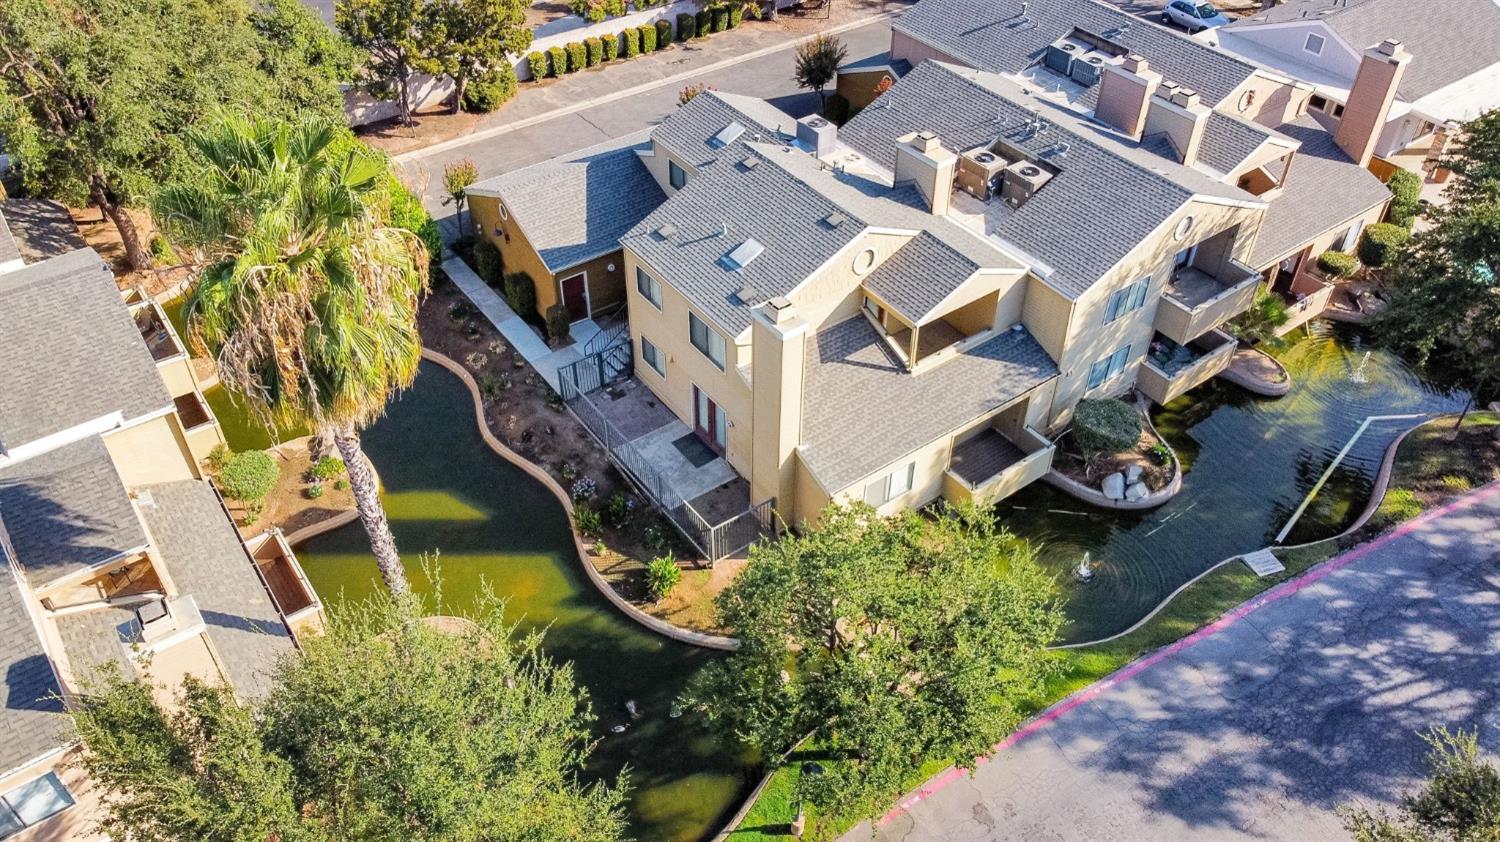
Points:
(648, 287)
(1317, 103)
(653, 357)
(889, 487)
(1351, 237)
(676, 175)
(706, 339)
(32, 803)
(1108, 368)
(1127, 300)
(1313, 44)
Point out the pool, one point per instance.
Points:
(1251, 461)
(446, 491)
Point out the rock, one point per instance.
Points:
(1114, 486)
(1133, 474)
(1136, 491)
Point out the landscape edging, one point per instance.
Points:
(1255, 385)
(1094, 497)
(656, 624)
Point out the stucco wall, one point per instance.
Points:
(76, 823)
(516, 251)
(904, 46)
(833, 293)
(151, 452)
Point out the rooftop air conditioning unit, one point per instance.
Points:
(1087, 67)
(1061, 54)
(1021, 180)
(979, 172)
(817, 135)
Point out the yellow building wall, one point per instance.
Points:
(1270, 102)
(833, 293)
(606, 285)
(151, 452)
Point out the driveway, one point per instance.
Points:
(1307, 699)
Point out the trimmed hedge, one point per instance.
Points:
(611, 46)
(488, 264)
(1406, 197)
(558, 58)
(704, 19)
(594, 51)
(1337, 264)
(1380, 243)
(577, 56)
(648, 38)
(663, 34)
(520, 293)
(539, 67)
(558, 323)
(687, 27)
(632, 38)
(736, 14)
(249, 476)
(1106, 426)
(721, 19)
(491, 91)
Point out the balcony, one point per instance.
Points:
(293, 594)
(1171, 369)
(1306, 298)
(1197, 302)
(199, 426)
(990, 467)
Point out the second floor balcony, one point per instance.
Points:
(1197, 301)
(1171, 369)
(991, 466)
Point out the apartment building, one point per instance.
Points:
(118, 553)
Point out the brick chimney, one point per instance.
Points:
(1370, 99)
(1125, 94)
(778, 343)
(922, 158)
(1178, 112)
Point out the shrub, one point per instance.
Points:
(249, 476)
(408, 214)
(577, 56)
(1259, 323)
(327, 468)
(597, 10)
(492, 90)
(736, 14)
(721, 19)
(588, 522)
(1380, 243)
(687, 27)
(342, 483)
(703, 21)
(314, 491)
(688, 92)
(648, 38)
(1337, 264)
(618, 509)
(663, 34)
(584, 489)
(558, 323)
(488, 264)
(593, 51)
(538, 62)
(836, 109)
(218, 457)
(520, 293)
(557, 59)
(611, 46)
(632, 38)
(1406, 197)
(162, 251)
(662, 575)
(1106, 426)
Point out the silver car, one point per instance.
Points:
(1192, 16)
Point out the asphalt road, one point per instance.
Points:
(1262, 729)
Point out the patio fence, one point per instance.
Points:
(714, 541)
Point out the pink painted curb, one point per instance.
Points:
(1129, 671)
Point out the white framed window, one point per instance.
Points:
(676, 175)
(1127, 300)
(1313, 44)
(32, 803)
(648, 287)
(1351, 237)
(653, 357)
(1108, 368)
(884, 489)
(706, 340)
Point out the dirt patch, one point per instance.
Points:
(1156, 466)
(288, 506)
(430, 125)
(525, 414)
(102, 236)
(545, 11)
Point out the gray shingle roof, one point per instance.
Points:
(1228, 141)
(1110, 193)
(993, 35)
(919, 276)
(204, 555)
(66, 510)
(30, 725)
(71, 352)
(42, 228)
(686, 131)
(98, 638)
(1323, 189)
(862, 410)
(1448, 40)
(574, 207)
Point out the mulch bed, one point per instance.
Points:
(1071, 464)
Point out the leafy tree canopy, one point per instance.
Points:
(389, 727)
(469, 37)
(818, 62)
(303, 57)
(895, 640)
(396, 46)
(1460, 803)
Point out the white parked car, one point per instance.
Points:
(1192, 16)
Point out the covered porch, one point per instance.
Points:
(1171, 369)
(997, 460)
(282, 574)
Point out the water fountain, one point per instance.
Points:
(1085, 571)
(1359, 375)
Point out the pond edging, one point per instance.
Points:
(655, 624)
(1093, 496)
(1256, 385)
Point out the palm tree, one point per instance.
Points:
(305, 296)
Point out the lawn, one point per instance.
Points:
(1434, 465)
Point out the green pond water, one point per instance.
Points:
(445, 490)
(1250, 462)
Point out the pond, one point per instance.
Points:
(1251, 461)
(446, 491)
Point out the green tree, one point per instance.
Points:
(305, 59)
(818, 62)
(397, 46)
(467, 38)
(1259, 323)
(458, 176)
(95, 94)
(1460, 803)
(892, 641)
(307, 297)
(389, 727)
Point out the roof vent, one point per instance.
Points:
(748, 295)
(833, 220)
(742, 255)
(727, 135)
(666, 231)
(750, 162)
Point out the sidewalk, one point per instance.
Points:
(522, 338)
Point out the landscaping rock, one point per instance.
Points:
(1114, 486)
(1136, 491)
(1133, 474)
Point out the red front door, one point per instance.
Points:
(575, 297)
(709, 421)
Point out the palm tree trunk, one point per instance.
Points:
(367, 500)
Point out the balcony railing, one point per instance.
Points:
(991, 467)
(1308, 298)
(1196, 302)
(1164, 380)
(293, 594)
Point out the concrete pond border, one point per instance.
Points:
(1255, 385)
(1095, 497)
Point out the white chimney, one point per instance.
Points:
(922, 158)
(1178, 112)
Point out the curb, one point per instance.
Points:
(662, 627)
(495, 131)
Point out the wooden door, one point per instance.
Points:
(709, 421)
(575, 295)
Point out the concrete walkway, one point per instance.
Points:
(522, 338)
(1260, 726)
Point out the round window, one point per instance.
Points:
(864, 261)
(1183, 227)
(1247, 99)
(504, 214)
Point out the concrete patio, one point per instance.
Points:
(650, 432)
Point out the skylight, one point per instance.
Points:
(727, 135)
(742, 255)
